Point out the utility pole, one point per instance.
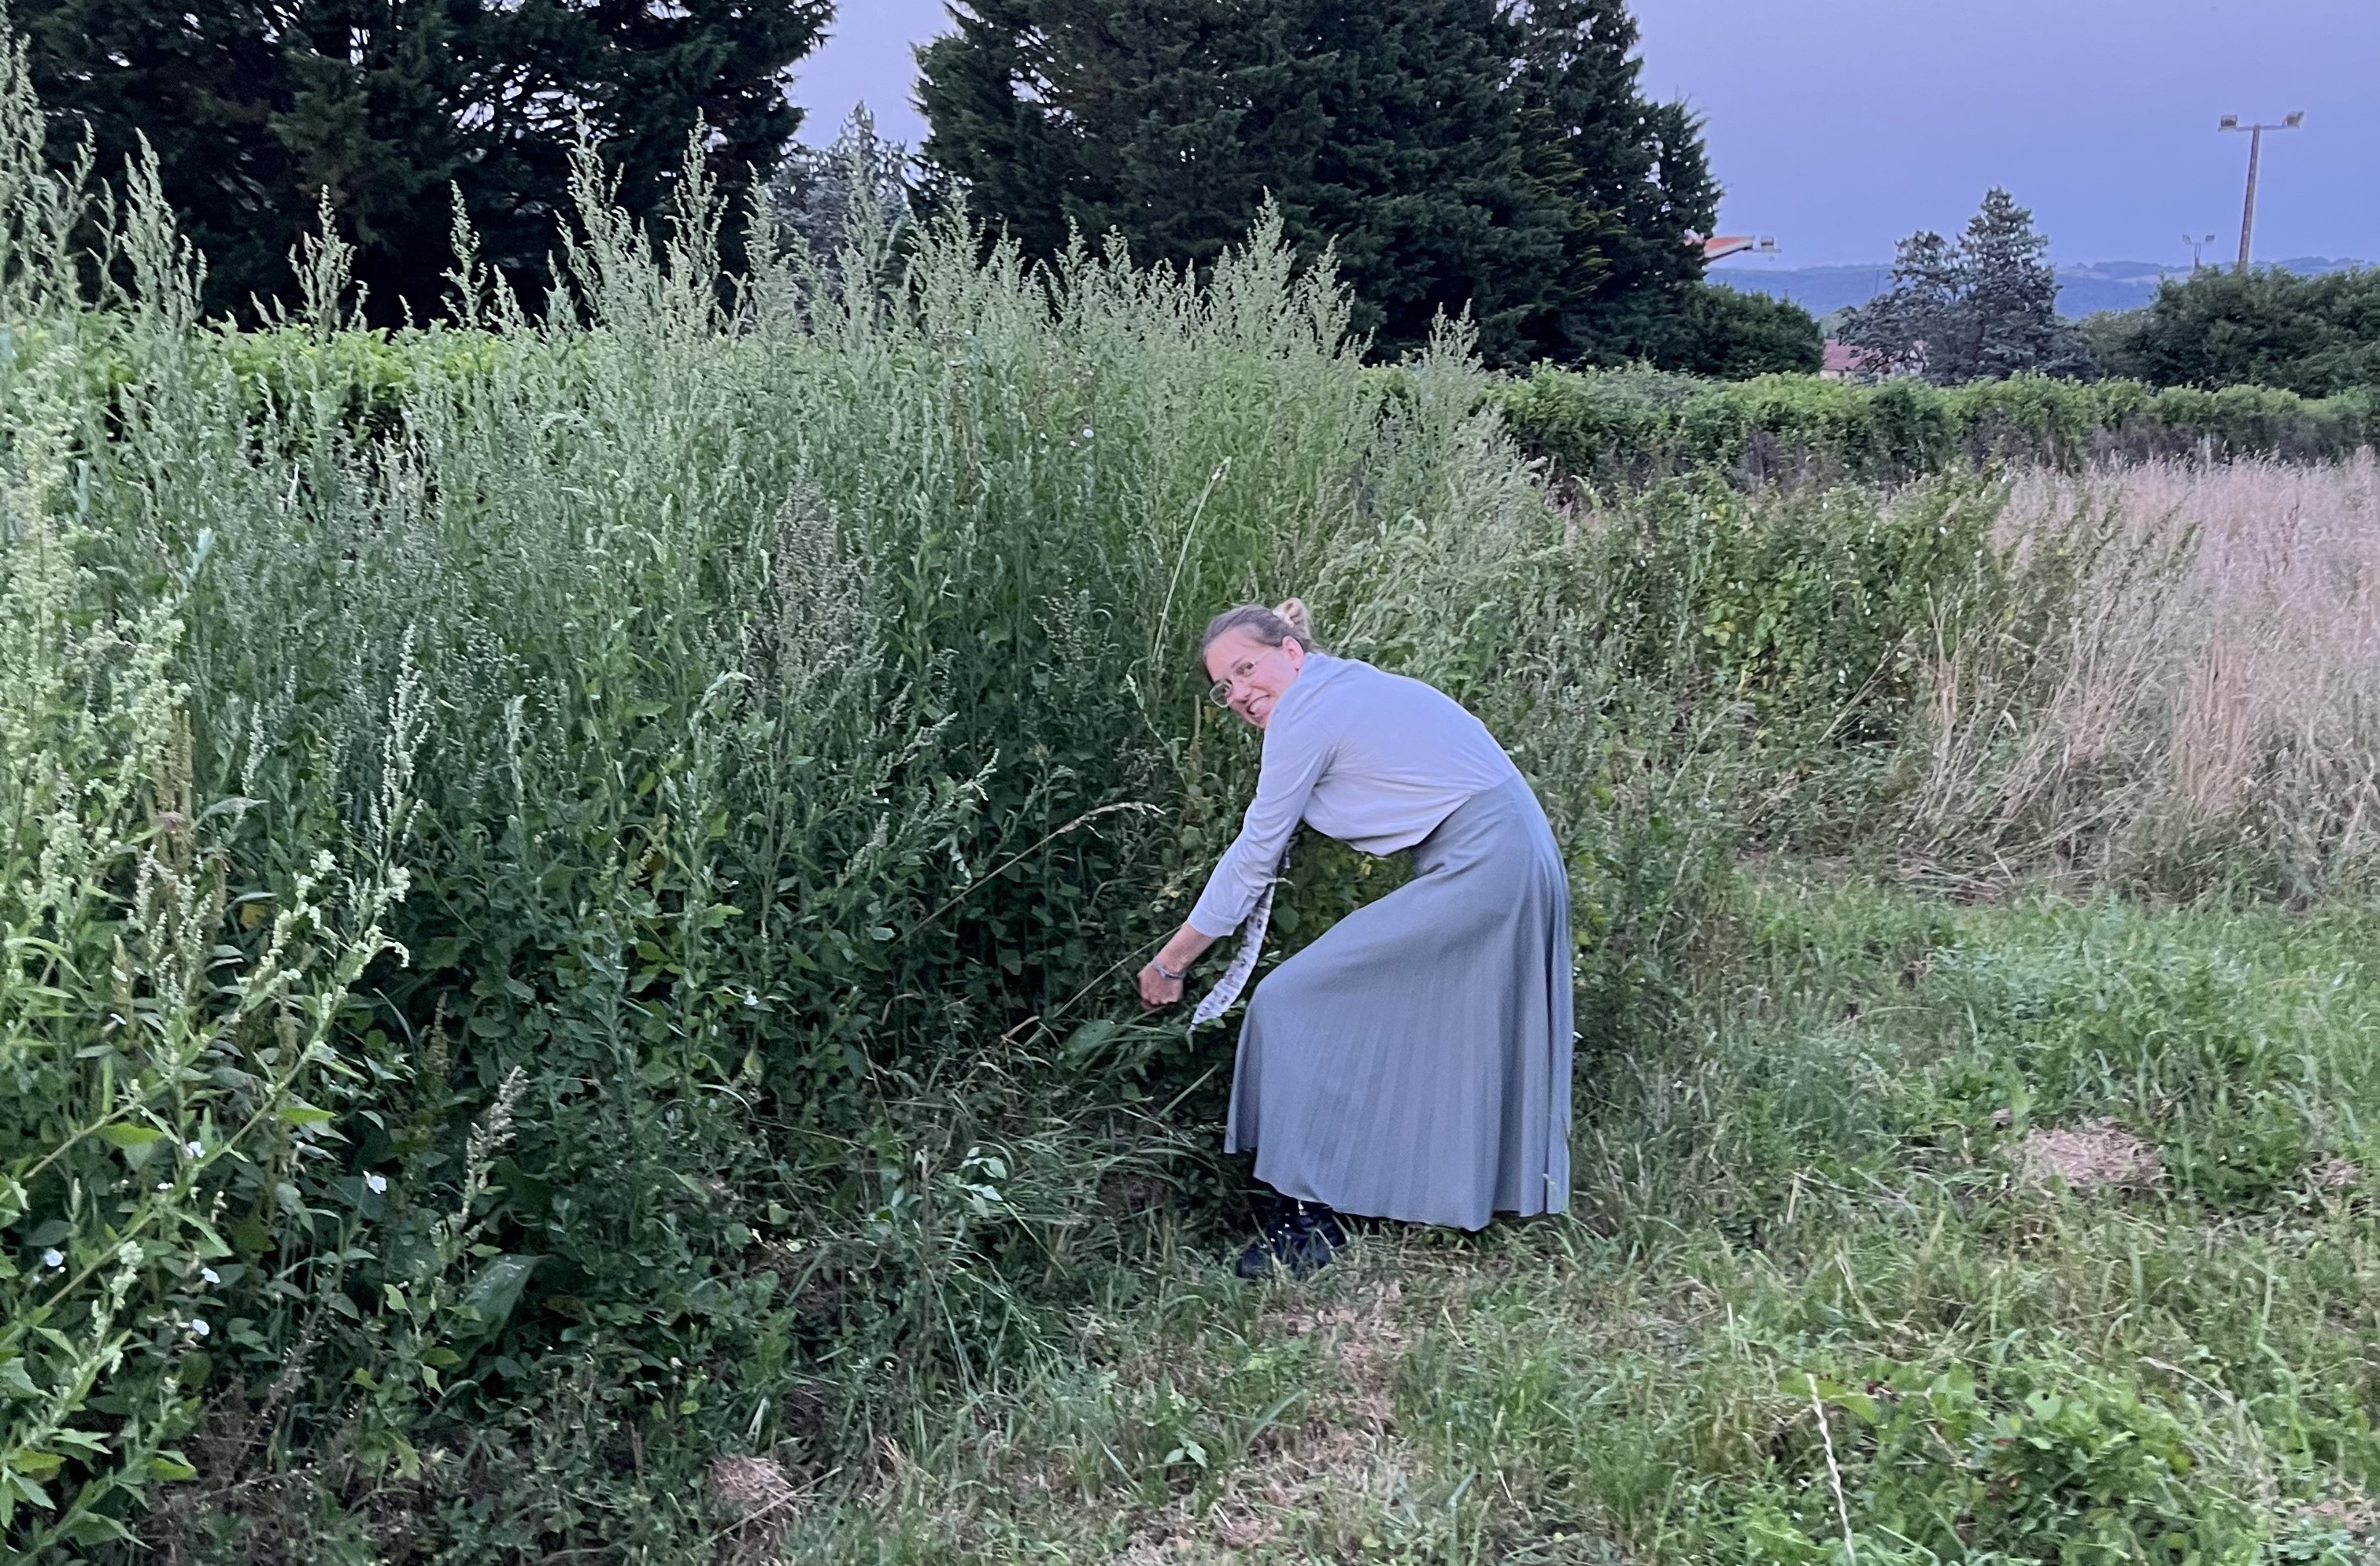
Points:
(2255, 155)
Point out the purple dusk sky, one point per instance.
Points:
(1840, 125)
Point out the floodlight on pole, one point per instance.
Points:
(2255, 155)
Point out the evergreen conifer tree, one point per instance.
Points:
(1429, 181)
(256, 111)
(1982, 307)
(1453, 155)
(1637, 182)
(1163, 122)
(819, 193)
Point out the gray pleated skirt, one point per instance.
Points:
(1413, 1062)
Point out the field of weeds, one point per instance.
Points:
(568, 881)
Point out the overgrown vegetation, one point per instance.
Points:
(570, 889)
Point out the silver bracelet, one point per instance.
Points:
(1169, 973)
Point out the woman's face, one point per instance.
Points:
(1254, 677)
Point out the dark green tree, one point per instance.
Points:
(1982, 307)
(1637, 183)
(817, 193)
(1438, 190)
(1453, 152)
(256, 111)
(1164, 122)
(2317, 337)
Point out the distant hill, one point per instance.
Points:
(2082, 290)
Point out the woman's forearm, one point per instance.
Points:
(1185, 949)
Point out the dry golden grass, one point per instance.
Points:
(2213, 686)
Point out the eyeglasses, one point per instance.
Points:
(1220, 693)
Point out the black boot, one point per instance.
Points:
(1301, 1240)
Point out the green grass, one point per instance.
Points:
(1815, 1210)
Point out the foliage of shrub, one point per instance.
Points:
(1735, 336)
(1804, 610)
(2316, 336)
(1626, 424)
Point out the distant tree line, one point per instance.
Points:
(1984, 306)
(1494, 157)
(1497, 159)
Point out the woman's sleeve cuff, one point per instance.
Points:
(1193, 921)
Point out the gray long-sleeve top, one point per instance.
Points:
(1373, 759)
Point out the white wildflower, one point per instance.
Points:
(54, 1258)
(207, 1275)
(199, 1328)
(376, 1184)
(196, 1149)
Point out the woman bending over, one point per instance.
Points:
(1413, 1062)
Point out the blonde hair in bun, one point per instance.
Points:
(1284, 622)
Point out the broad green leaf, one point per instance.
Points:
(497, 1288)
(1091, 1038)
(93, 1527)
(26, 1487)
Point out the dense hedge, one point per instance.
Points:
(1638, 422)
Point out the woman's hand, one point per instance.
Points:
(1156, 989)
